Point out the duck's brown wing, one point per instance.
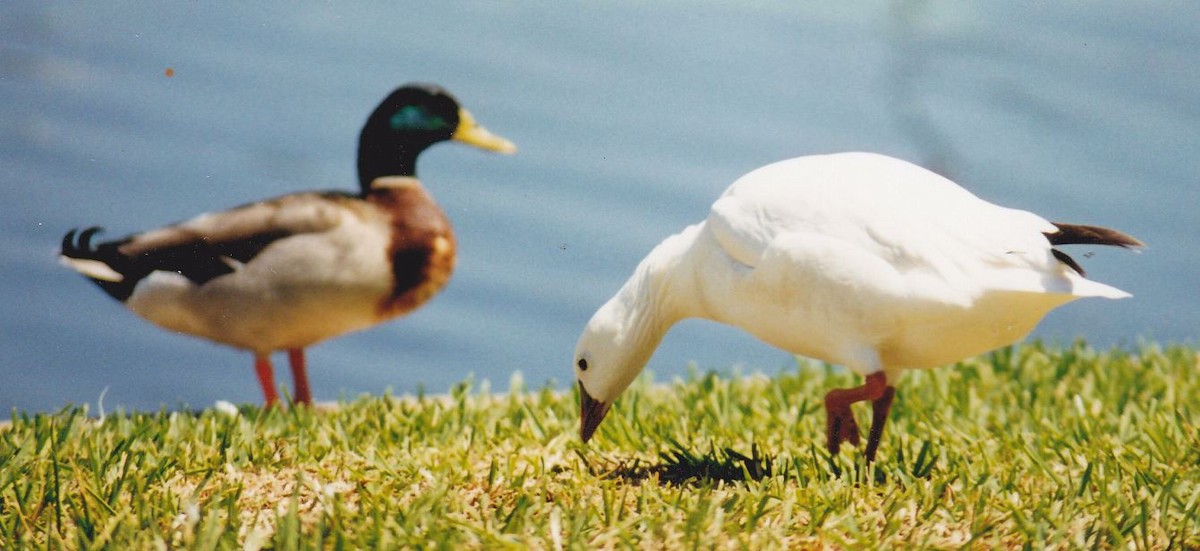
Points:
(203, 248)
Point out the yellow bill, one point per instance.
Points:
(469, 132)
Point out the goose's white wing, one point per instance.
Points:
(943, 242)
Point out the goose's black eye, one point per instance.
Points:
(582, 364)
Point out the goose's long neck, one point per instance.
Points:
(657, 295)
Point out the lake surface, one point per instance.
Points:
(630, 117)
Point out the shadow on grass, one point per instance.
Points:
(679, 466)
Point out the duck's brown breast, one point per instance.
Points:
(421, 250)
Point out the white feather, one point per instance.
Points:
(92, 268)
(855, 258)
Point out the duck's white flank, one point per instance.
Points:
(282, 299)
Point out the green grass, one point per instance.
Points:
(1030, 447)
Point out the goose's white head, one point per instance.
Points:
(615, 346)
(603, 368)
(622, 335)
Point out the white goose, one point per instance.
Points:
(856, 259)
(288, 272)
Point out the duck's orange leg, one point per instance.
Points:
(840, 423)
(300, 375)
(266, 378)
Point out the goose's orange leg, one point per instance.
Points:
(840, 423)
(879, 414)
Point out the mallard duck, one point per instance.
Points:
(288, 272)
(855, 259)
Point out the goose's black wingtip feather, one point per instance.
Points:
(1070, 262)
(1078, 234)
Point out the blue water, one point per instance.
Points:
(630, 118)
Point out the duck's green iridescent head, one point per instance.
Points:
(409, 120)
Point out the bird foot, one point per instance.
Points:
(840, 427)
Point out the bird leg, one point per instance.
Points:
(266, 378)
(879, 414)
(299, 375)
(840, 423)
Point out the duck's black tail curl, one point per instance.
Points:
(1078, 234)
(78, 244)
(103, 264)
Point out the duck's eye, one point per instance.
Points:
(582, 363)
